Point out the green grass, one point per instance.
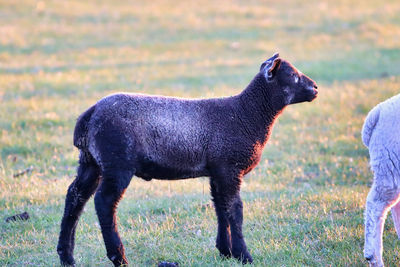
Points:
(304, 202)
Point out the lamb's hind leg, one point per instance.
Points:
(111, 189)
(79, 192)
(223, 242)
(379, 201)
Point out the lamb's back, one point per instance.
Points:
(166, 121)
(384, 139)
(387, 129)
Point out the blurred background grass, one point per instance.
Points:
(304, 202)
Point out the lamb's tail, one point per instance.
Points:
(81, 130)
(370, 121)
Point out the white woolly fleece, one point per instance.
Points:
(381, 134)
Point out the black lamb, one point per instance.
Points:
(155, 137)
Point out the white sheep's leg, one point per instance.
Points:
(379, 201)
(375, 216)
(396, 218)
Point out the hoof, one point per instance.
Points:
(245, 257)
(119, 260)
(224, 252)
(373, 262)
(66, 259)
(369, 258)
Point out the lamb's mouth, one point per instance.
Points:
(313, 94)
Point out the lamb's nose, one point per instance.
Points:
(369, 258)
(315, 86)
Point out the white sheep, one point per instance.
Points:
(381, 134)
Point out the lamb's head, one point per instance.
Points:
(290, 83)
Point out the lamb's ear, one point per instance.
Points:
(275, 56)
(262, 66)
(273, 68)
(269, 61)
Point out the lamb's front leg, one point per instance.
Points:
(239, 248)
(379, 201)
(229, 208)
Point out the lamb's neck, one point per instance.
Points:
(258, 108)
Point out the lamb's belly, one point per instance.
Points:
(149, 169)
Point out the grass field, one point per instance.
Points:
(303, 204)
